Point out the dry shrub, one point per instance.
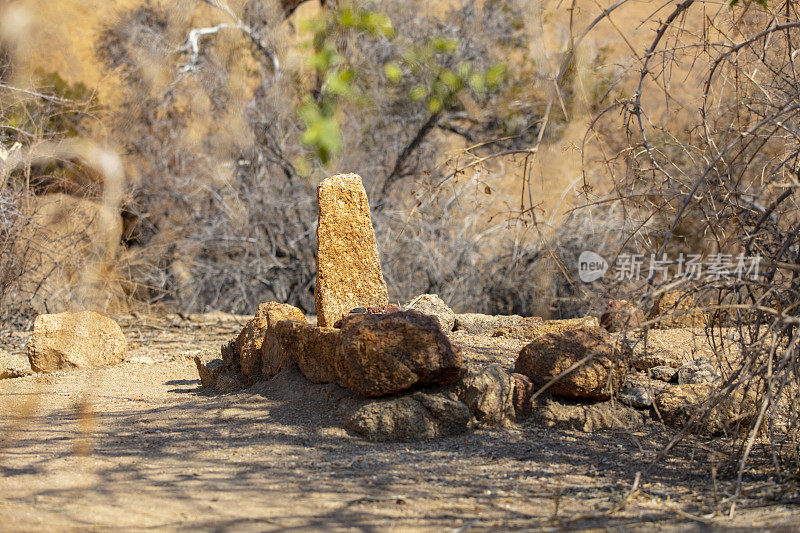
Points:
(719, 184)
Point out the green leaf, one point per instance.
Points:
(393, 72)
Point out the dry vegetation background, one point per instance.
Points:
(164, 155)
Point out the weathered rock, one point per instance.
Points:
(621, 315)
(678, 404)
(592, 417)
(550, 355)
(431, 304)
(700, 370)
(209, 372)
(490, 396)
(387, 354)
(213, 376)
(480, 324)
(75, 340)
(13, 366)
(348, 266)
(663, 373)
(676, 310)
(653, 358)
(523, 390)
(410, 418)
(532, 327)
(313, 348)
(256, 348)
(638, 391)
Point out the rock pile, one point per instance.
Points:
(405, 375)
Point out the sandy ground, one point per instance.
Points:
(141, 446)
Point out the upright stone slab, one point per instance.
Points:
(348, 267)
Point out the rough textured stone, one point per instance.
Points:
(550, 355)
(593, 417)
(431, 304)
(523, 390)
(13, 366)
(213, 376)
(490, 396)
(387, 354)
(663, 373)
(621, 315)
(480, 324)
(75, 340)
(638, 391)
(257, 350)
(375, 310)
(653, 358)
(700, 370)
(677, 404)
(533, 327)
(410, 418)
(312, 348)
(348, 266)
(676, 310)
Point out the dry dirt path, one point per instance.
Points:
(141, 446)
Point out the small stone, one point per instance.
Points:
(431, 304)
(553, 354)
(700, 370)
(663, 373)
(75, 340)
(653, 358)
(490, 395)
(348, 266)
(13, 366)
(389, 353)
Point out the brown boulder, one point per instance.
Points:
(621, 315)
(348, 266)
(389, 353)
(258, 350)
(550, 355)
(313, 348)
(75, 340)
